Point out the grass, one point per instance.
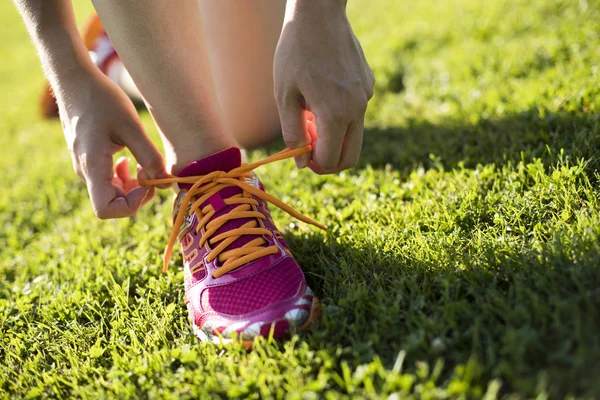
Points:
(462, 261)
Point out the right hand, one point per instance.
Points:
(320, 72)
(99, 120)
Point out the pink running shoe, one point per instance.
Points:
(240, 275)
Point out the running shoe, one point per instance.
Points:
(240, 276)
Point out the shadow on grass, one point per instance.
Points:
(528, 318)
(531, 133)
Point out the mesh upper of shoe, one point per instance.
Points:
(272, 286)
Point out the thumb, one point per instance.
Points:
(294, 129)
(145, 152)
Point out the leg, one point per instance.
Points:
(119, 75)
(241, 39)
(177, 84)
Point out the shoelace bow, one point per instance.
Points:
(205, 186)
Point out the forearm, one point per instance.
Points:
(51, 25)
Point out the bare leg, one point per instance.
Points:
(241, 39)
(241, 56)
(117, 73)
(163, 48)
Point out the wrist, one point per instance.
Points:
(73, 82)
(72, 72)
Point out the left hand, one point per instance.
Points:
(320, 69)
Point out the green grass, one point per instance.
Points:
(463, 257)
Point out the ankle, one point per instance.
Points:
(179, 156)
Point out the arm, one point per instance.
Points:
(98, 119)
(51, 25)
(320, 67)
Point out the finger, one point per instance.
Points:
(328, 147)
(118, 182)
(108, 200)
(142, 175)
(139, 196)
(123, 176)
(293, 128)
(124, 205)
(318, 170)
(352, 146)
(130, 185)
(122, 169)
(148, 196)
(144, 151)
(312, 130)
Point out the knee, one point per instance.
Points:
(254, 135)
(254, 124)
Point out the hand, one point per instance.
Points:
(320, 68)
(99, 120)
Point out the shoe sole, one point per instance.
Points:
(315, 314)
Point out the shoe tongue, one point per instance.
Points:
(224, 160)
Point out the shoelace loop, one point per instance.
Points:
(205, 186)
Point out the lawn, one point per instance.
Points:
(462, 259)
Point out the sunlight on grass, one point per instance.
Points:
(462, 259)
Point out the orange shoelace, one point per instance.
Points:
(205, 186)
